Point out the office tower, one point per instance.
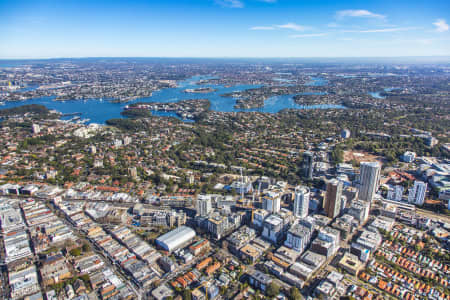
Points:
(301, 201)
(203, 205)
(307, 165)
(417, 193)
(272, 202)
(368, 180)
(332, 203)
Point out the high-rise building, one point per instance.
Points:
(301, 201)
(298, 237)
(127, 140)
(360, 210)
(132, 171)
(345, 133)
(203, 205)
(307, 165)
(332, 203)
(36, 128)
(368, 180)
(273, 228)
(417, 193)
(92, 149)
(395, 193)
(272, 202)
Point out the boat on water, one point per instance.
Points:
(2, 103)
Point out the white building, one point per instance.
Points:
(417, 193)
(408, 156)
(369, 179)
(176, 238)
(301, 201)
(203, 205)
(345, 133)
(298, 237)
(272, 202)
(36, 128)
(273, 228)
(330, 235)
(127, 140)
(24, 282)
(259, 215)
(395, 193)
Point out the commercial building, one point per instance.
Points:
(199, 246)
(217, 225)
(254, 250)
(301, 201)
(259, 215)
(259, 280)
(350, 263)
(272, 201)
(273, 228)
(327, 241)
(162, 292)
(307, 165)
(167, 264)
(24, 282)
(333, 195)
(417, 193)
(368, 180)
(298, 237)
(54, 269)
(360, 210)
(176, 238)
(240, 238)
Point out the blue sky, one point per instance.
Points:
(224, 28)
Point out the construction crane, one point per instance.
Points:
(204, 285)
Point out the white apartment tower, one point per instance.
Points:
(395, 193)
(417, 193)
(272, 202)
(203, 205)
(301, 201)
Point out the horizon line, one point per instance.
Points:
(226, 57)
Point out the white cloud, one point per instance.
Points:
(394, 29)
(333, 25)
(230, 3)
(358, 13)
(292, 26)
(441, 25)
(295, 36)
(262, 28)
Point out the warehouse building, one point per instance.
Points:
(176, 238)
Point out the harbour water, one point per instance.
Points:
(98, 111)
(378, 95)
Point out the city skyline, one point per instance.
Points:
(223, 28)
